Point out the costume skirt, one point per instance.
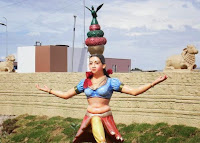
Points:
(84, 133)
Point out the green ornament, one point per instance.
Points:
(94, 14)
(94, 21)
(95, 33)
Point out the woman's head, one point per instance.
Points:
(97, 64)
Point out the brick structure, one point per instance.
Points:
(174, 101)
(51, 58)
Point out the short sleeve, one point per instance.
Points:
(116, 84)
(79, 88)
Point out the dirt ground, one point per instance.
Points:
(3, 118)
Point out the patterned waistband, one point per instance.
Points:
(108, 113)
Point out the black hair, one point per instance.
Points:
(102, 59)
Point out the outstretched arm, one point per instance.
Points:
(60, 94)
(142, 89)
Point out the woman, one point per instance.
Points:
(98, 122)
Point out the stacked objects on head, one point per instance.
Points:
(95, 40)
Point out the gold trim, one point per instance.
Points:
(100, 115)
(76, 90)
(121, 86)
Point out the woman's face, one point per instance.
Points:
(95, 65)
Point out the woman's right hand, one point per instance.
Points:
(160, 79)
(45, 88)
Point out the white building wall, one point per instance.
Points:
(26, 59)
(69, 59)
(79, 59)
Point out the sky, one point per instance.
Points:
(145, 31)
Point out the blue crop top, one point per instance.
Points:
(105, 91)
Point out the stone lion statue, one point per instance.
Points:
(184, 61)
(7, 66)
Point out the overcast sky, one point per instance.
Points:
(145, 31)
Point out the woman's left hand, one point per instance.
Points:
(160, 79)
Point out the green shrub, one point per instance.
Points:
(41, 129)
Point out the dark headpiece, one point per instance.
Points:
(101, 57)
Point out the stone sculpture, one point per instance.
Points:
(184, 61)
(7, 66)
(98, 124)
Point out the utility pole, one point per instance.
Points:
(5, 24)
(73, 41)
(84, 24)
(6, 37)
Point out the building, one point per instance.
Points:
(118, 65)
(51, 58)
(58, 58)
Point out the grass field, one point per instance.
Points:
(42, 129)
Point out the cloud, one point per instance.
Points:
(149, 51)
(140, 33)
(31, 16)
(2, 58)
(152, 14)
(33, 34)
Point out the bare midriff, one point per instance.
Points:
(98, 105)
